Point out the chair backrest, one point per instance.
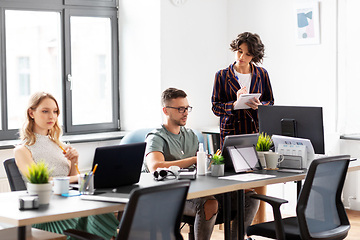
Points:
(136, 136)
(320, 211)
(139, 135)
(14, 176)
(155, 212)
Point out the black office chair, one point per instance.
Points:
(320, 214)
(151, 213)
(14, 176)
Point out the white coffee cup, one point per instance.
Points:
(273, 159)
(61, 185)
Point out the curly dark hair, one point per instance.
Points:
(255, 46)
(171, 93)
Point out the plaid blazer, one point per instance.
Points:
(226, 85)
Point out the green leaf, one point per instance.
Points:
(38, 172)
(217, 159)
(264, 142)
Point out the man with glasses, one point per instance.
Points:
(175, 145)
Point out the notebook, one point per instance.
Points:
(118, 165)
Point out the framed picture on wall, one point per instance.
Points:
(307, 29)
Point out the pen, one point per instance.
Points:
(77, 169)
(93, 171)
(62, 148)
(241, 86)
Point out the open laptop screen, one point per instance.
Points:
(237, 140)
(244, 158)
(118, 165)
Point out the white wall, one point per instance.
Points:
(193, 48)
(187, 45)
(140, 88)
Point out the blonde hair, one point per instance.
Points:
(26, 133)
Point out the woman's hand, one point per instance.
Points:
(71, 154)
(243, 90)
(254, 103)
(73, 157)
(238, 93)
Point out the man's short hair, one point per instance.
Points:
(171, 93)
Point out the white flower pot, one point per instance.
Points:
(217, 170)
(43, 191)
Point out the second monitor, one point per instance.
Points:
(294, 121)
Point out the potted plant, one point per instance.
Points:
(217, 164)
(38, 177)
(263, 146)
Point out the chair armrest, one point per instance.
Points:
(275, 203)
(81, 235)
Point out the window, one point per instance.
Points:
(24, 76)
(69, 50)
(32, 59)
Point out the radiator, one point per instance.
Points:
(4, 185)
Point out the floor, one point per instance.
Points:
(354, 233)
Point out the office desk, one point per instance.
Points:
(208, 185)
(60, 208)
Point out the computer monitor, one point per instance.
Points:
(294, 121)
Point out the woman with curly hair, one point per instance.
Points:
(242, 77)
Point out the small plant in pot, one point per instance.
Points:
(38, 177)
(264, 142)
(217, 164)
(263, 146)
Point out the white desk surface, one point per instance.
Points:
(60, 208)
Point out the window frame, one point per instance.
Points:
(66, 10)
(103, 3)
(90, 128)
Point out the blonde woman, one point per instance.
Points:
(40, 141)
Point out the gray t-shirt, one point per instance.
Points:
(172, 146)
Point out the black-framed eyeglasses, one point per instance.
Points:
(182, 109)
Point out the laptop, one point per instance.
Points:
(118, 167)
(236, 140)
(244, 158)
(107, 197)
